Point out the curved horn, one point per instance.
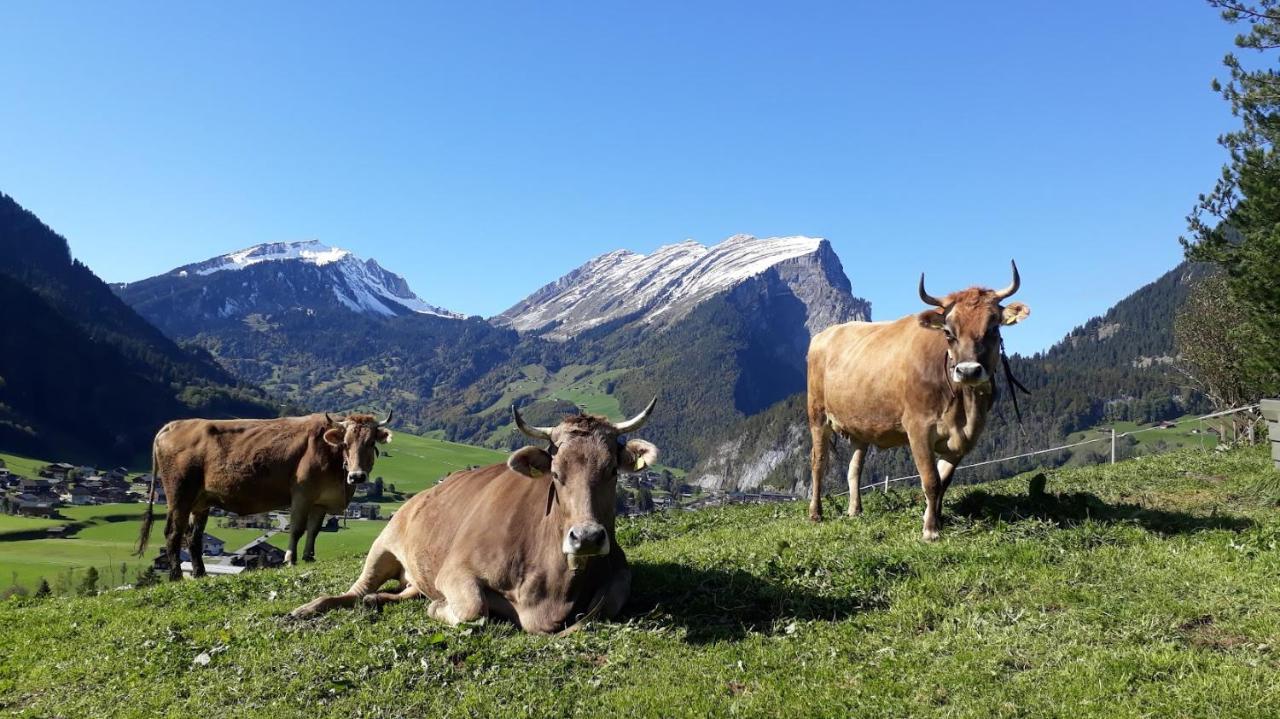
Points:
(927, 298)
(637, 421)
(331, 420)
(530, 430)
(1017, 282)
(390, 413)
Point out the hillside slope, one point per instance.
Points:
(1145, 588)
(82, 376)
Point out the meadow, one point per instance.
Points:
(1145, 588)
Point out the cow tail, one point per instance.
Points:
(145, 533)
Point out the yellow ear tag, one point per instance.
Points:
(640, 463)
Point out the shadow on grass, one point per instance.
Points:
(718, 605)
(22, 535)
(1068, 509)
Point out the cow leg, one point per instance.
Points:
(175, 530)
(297, 526)
(377, 599)
(855, 479)
(463, 598)
(379, 566)
(922, 453)
(314, 520)
(818, 462)
(945, 470)
(196, 544)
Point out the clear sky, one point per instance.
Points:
(484, 149)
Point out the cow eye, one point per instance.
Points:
(555, 475)
(946, 331)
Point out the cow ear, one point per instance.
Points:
(1013, 313)
(637, 454)
(383, 435)
(530, 461)
(932, 319)
(334, 436)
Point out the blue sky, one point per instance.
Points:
(482, 150)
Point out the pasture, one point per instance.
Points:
(1145, 588)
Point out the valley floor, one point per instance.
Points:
(1146, 588)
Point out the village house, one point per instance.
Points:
(79, 496)
(30, 505)
(363, 510)
(258, 554)
(57, 471)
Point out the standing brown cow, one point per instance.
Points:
(310, 464)
(926, 380)
(531, 540)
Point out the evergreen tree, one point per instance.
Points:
(1237, 224)
(43, 589)
(89, 585)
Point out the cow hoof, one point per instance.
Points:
(930, 535)
(815, 517)
(309, 559)
(855, 512)
(306, 611)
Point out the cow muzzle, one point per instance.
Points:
(585, 540)
(357, 477)
(969, 373)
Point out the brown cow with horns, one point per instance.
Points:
(926, 380)
(310, 464)
(531, 540)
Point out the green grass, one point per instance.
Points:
(23, 466)
(1143, 589)
(416, 463)
(110, 531)
(1150, 439)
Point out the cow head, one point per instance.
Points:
(358, 437)
(971, 320)
(583, 456)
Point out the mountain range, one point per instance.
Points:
(718, 333)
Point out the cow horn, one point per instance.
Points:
(926, 297)
(530, 430)
(390, 413)
(1017, 282)
(637, 421)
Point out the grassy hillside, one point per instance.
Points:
(414, 463)
(1143, 589)
(106, 534)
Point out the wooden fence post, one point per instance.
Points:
(1271, 410)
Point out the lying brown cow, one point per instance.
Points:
(926, 380)
(310, 464)
(531, 540)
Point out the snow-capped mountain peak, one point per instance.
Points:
(666, 284)
(278, 277)
(309, 251)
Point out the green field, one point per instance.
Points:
(110, 532)
(1142, 589)
(1144, 439)
(415, 463)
